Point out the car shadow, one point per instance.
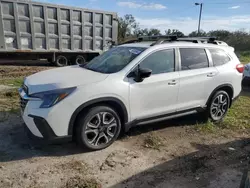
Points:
(245, 92)
(209, 166)
(16, 144)
(177, 122)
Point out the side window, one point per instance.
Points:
(193, 58)
(219, 57)
(160, 62)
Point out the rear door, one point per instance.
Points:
(197, 76)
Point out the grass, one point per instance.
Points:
(9, 101)
(207, 127)
(16, 82)
(245, 57)
(153, 141)
(238, 118)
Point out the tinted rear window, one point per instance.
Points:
(193, 58)
(219, 57)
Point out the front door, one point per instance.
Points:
(157, 94)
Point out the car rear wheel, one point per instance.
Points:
(98, 128)
(219, 106)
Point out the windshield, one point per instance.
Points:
(114, 60)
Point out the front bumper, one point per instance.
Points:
(48, 124)
(41, 130)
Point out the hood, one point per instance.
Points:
(59, 78)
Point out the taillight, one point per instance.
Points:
(240, 68)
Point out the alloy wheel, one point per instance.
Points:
(101, 129)
(219, 106)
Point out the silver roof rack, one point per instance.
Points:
(160, 39)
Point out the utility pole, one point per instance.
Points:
(199, 25)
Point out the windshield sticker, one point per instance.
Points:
(135, 51)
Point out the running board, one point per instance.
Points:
(168, 117)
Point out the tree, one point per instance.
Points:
(195, 34)
(220, 34)
(126, 25)
(154, 32)
(143, 32)
(174, 32)
(148, 32)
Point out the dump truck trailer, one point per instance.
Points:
(63, 35)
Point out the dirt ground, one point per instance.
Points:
(21, 69)
(170, 154)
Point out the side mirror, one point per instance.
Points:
(140, 73)
(145, 73)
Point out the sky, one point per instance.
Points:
(175, 14)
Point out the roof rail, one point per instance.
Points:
(159, 39)
(151, 38)
(208, 40)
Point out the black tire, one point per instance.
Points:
(218, 107)
(90, 137)
(61, 61)
(80, 60)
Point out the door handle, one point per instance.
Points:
(173, 82)
(211, 74)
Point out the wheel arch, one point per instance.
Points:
(109, 101)
(225, 87)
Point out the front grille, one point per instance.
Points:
(23, 103)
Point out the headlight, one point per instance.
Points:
(50, 98)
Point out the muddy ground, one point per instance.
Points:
(168, 154)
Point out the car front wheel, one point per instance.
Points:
(219, 106)
(98, 128)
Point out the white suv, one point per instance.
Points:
(131, 84)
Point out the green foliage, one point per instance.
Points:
(125, 26)
(9, 100)
(195, 34)
(245, 57)
(174, 32)
(148, 32)
(207, 127)
(238, 117)
(220, 34)
(16, 82)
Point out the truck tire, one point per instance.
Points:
(61, 61)
(80, 60)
